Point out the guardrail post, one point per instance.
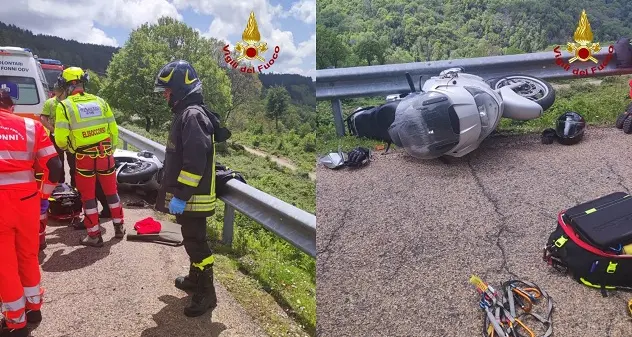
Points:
(124, 145)
(336, 106)
(229, 223)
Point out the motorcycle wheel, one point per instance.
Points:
(535, 89)
(627, 125)
(137, 172)
(620, 120)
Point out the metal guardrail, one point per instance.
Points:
(294, 225)
(335, 84)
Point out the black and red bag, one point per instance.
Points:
(65, 203)
(589, 242)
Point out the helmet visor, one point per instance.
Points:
(569, 128)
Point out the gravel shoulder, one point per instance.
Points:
(398, 240)
(125, 288)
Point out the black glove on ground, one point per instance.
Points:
(358, 157)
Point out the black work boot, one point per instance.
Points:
(6, 332)
(189, 282)
(33, 316)
(78, 224)
(94, 241)
(204, 297)
(119, 231)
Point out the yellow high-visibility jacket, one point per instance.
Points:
(82, 120)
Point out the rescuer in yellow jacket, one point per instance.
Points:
(85, 126)
(48, 120)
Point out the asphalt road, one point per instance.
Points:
(398, 240)
(125, 288)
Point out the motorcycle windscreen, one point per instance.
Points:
(425, 125)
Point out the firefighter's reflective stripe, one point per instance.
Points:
(33, 297)
(14, 313)
(19, 177)
(207, 261)
(197, 203)
(30, 144)
(189, 179)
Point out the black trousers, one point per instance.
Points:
(195, 237)
(71, 163)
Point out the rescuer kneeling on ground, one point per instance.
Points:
(188, 186)
(25, 144)
(85, 125)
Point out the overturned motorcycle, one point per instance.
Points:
(452, 113)
(138, 169)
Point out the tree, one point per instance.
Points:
(245, 88)
(277, 102)
(132, 72)
(399, 55)
(330, 50)
(371, 48)
(95, 83)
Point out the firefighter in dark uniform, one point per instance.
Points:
(188, 185)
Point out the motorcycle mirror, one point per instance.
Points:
(333, 160)
(410, 82)
(145, 154)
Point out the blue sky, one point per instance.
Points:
(290, 24)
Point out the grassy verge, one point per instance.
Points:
(280, 269)
(299, 149)
(598, 104)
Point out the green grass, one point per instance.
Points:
(598, 104)
(300, 150)
(282, 270)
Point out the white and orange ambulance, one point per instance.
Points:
(22, 75)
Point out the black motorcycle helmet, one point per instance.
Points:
(180, 77)
(570, 128)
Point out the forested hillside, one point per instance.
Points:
(300, 88)
(368, 32)
(90, 56)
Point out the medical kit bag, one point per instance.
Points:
(593, 242)
(64, 202)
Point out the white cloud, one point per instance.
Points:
(304, 10)
(230, 18)
(76, 19)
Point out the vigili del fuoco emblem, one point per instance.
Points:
(251, 48)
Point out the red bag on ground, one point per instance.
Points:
(148, 226)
